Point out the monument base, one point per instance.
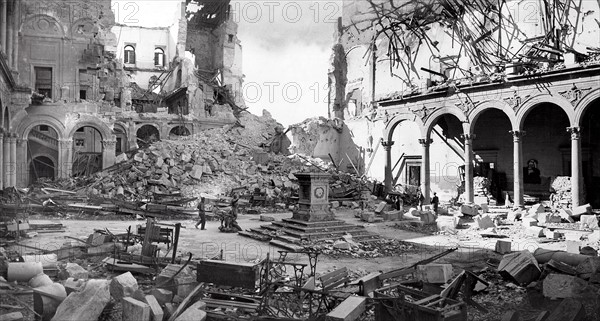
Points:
(313, 213)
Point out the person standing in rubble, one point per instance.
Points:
(421, 199)
(202, 209)
(435, 201)
(235, 205)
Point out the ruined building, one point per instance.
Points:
(77, 90)
(439, 94)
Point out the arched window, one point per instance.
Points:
(129, 55)
(159, 57)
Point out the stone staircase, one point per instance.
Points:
(290, 233)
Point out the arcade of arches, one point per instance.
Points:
(520, 147)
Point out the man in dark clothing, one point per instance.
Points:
(202, 206)
(435, 201)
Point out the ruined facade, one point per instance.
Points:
(436, 93)
(77, 90)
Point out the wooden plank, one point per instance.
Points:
(245, 275)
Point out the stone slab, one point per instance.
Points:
(135, 310)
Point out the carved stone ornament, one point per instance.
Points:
(422, 113)
(515, 100)
(466, 105)
(575, 132)
(574, 94)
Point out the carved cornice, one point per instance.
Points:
(65, 143)
(574, 94)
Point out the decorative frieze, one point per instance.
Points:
(515, 100)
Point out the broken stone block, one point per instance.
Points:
(469, 209)
(568, 310)
(573, 246)
(342, 245)
(582, 210)
(86, 304)
(594, 236)
(522, 267)
(135, 310)
(535, 231)
(589, 221)
(266, 218)
(480, 200)
(368, 217)
(503, 247)
(73, 270)
(194, 313)
(529, 221)
(484, 208)
(123, 285)
(483, 222)
(414, 212)
(588, 267)
(434, 273)
(163, 296)
(447, 224)
(428, 217)
(13, 316)
(511, 316)
(535, 210)
(390, 216)
(514, 215)
(554, 235)
(196, 172)
(185, 285)
(335, 204)
(559, 286)
(380, 207)
(350, 309)
(566, 215)
(156, 312)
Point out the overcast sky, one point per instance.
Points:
(286, 50)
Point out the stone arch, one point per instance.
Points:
(584, 104)
(492, 104)
(396, 120)
(185, 126)
(432, 119)
(42, 24)
(123, 127)
(105, 131)
(50, 157)
(140, 125)
(5, 121)
(36, 120)
(528, 106)
(83, 28)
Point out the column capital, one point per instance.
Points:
(468, 137)
(425, 142)
(65, 143)
(387, 145)
(575, 132)
(517, 134)
(106, 144)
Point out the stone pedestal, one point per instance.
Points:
(313, 204)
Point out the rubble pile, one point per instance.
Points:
(372, 249)
(561, 185)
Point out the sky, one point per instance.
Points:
(286, 49)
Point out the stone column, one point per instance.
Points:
(63, 157)
(13, 159)
(5, 168)
(16, 21)
(3, 16)
(575, 165)
(9, 33)
(387, 146)
(68, 160)
(21, 165)
(517, 167)
(1, 157)
(108, 153)
(425, 170)
(469, 167)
